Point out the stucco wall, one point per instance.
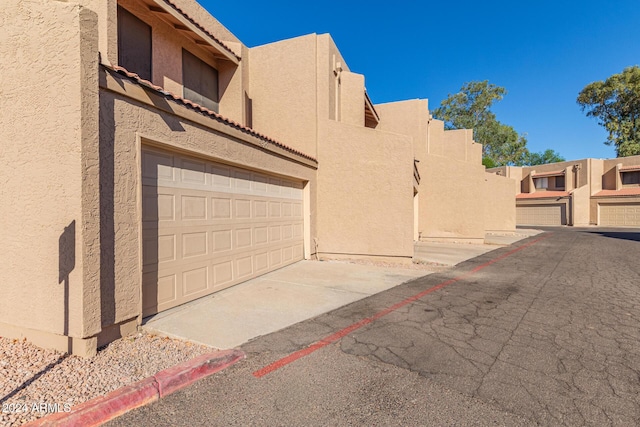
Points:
(365, 198)
(283, 88)
(452, 191)
(596, 170)
(435, 137)
(329, 93)
(499, 204)
(48, 191)
(459, 145)
(122, 121)
(352, 98)
(407, 118)
(107, 27)
(452, 200)
(581, 199)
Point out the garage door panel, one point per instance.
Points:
(620, 214)
(550, 214)
(261, 261)
(275, 258)
(222, 240)
(195, 280)
(244, 266)
(193, 208)
(208, 226)
(195, 244)
(222, 273)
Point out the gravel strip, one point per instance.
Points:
(31, 376)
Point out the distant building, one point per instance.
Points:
(604, 192)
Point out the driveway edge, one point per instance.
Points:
(104, 408)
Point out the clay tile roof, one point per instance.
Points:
(630, 168)
(543, 195)
(200, 27)
(205, 111)
(633, 191)
(552, 173)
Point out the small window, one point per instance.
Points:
(559, 182)
(541, 183)
(134, 44)
(630, 178)
(200, 81)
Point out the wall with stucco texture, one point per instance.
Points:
(124, 117)
(580, 202)
(283, 89)
(499, 204)
(452, 200)
(49, 116)
(107, 27)
(352, 98)
(329, 93)
(454, 188)
(365, 198)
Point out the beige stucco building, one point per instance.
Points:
(149, 158)
(603, 192)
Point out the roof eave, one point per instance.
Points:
(186, 24)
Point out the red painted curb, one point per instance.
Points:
(179, 376)
(104, 408)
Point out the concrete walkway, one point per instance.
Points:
(274, 301)
(301, 291)
(450, 254)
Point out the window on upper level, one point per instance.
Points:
(200, 81)
(630, 178)
(134, 44)
(554, 183)
(541, 183)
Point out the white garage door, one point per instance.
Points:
(208, 226)
(620, 215)
(541, 214)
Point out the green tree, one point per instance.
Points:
(544, 157)
(504, 146)
(615, 103)
(471, 109)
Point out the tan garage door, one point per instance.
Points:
(620, 215)
(541, 214)
(208, 226)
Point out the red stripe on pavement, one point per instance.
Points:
(355, 326)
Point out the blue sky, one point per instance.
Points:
(543, 52)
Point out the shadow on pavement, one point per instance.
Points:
(625, 235)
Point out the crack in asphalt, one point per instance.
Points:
(551, 334)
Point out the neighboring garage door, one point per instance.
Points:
(208, 226)
(620, 215)
(541, 214)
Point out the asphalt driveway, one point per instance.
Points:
(544, 332)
